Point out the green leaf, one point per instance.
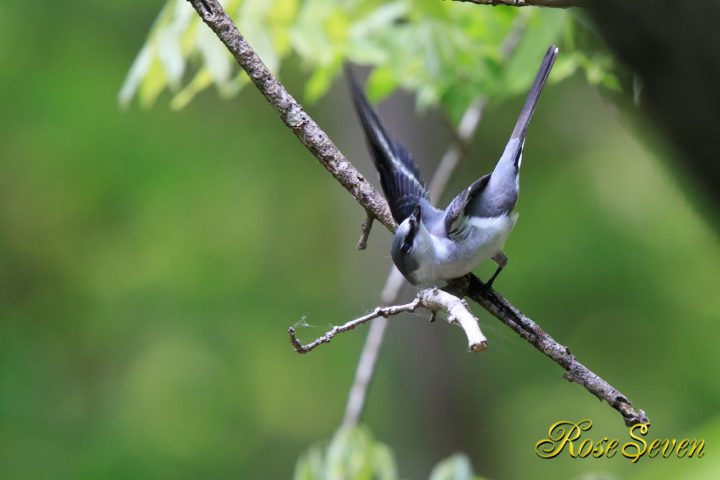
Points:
(168, 41)
(310, 465)
(136, 75)
(544, 29)
(447, 53)
(320, 81)
(456, 467)
(384, 462)
(352, 454)
(280, 18)
(154, 82)
(381, 83)
(216, 58)
(171, 56)
(381, 18)
(611, 82)
(565, 66)
(201, 81)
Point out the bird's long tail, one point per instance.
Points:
(532, 98)
(501, 192)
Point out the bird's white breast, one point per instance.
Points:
(488, 235)
(478, 239)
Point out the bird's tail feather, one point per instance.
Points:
(532, 98)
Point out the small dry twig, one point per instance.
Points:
(365, 231)
(527, 3)
(433, 299)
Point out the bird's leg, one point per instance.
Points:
(501, 259)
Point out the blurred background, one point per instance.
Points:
(152, 261)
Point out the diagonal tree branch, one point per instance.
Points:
(527, 3)
(333, 160)
(575, 371)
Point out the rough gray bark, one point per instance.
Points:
(332, 159)
(527, 3)
(575, 371)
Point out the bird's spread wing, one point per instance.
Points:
(458, 209)
(399, 177)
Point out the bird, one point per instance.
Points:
(432, 246)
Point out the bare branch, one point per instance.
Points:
(458, 313)
(527, 3)
(330, 157)
(378, 312)
(449, 162)
(433, 299)
(511, 316)
(365, 371)
(365, 229)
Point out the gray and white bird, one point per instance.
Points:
(430, 245)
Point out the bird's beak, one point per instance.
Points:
(414, 221)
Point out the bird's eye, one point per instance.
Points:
(405, 247)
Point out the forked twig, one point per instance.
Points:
(433, 299)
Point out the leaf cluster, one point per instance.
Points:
(447, 53)
(353, 453)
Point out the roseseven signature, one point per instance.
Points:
(565, 436)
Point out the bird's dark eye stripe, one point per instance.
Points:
(408, 240)
(411, 233)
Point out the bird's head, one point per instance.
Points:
(410, 242)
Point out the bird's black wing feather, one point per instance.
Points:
(399, 176)
(458, 208)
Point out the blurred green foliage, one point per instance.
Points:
(457, 467)
(151, 262)
(435, 49)
(352, 453)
